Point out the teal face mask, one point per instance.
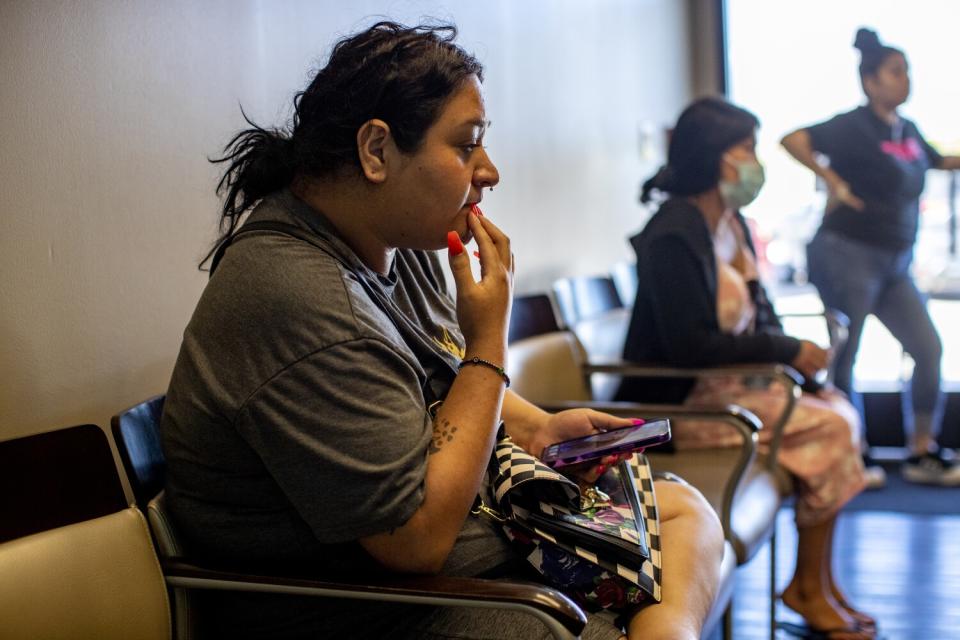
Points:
(737, 195)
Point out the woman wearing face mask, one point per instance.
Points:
(860, 257)
(700, 303)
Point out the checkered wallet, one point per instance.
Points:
(603, 548)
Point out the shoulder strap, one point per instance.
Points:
(419, 342)
(252, 227)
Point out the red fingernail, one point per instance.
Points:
(638, 421)
(454, 243)
(601, 469)
(476, 210)
(476, 254)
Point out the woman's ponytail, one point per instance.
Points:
(261, 161)
(660, 181)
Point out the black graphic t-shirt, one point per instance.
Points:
(885, 167)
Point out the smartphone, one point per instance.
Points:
(606, 443)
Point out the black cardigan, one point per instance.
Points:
(674, 320)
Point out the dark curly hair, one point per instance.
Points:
(704, 132)
(401, 75)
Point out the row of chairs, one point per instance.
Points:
(78, 561)
(587, 318)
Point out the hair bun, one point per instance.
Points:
(867, 40)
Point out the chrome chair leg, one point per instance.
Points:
(773, 582)
(728, 622)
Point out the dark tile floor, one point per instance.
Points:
(902, 568)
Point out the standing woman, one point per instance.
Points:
(860, 257)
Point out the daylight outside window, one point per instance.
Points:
(793, 64)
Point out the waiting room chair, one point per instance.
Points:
(136, 428)
(591, 307)
(531, 315)
(548, 370)
(599, 323)
(598, 317)
(835, 330)
(602, 332)
(139, 448)
(95, 574)
(54, 479)
(75, 562)
(624, 274)
(583, 297)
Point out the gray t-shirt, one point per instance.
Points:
(296, 420)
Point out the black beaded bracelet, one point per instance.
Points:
(489, 365)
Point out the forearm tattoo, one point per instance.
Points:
(442, 433)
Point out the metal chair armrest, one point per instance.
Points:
(830, 315)
(784, 372)
(745, 423)
(785, 375)
(838, 324)
(555, 610)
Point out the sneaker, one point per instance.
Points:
(876, 477)
(931, 468)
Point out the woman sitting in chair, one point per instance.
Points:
(700, 303)
(302, 424)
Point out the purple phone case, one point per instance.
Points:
(560, 460)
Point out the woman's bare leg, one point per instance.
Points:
(864, 619)
(692, 548)
(809, 592)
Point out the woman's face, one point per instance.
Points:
(890, 85)
(743, 151)
(437, 184)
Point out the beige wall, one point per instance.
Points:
(108, 110)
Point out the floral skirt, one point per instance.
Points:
(820, 446)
